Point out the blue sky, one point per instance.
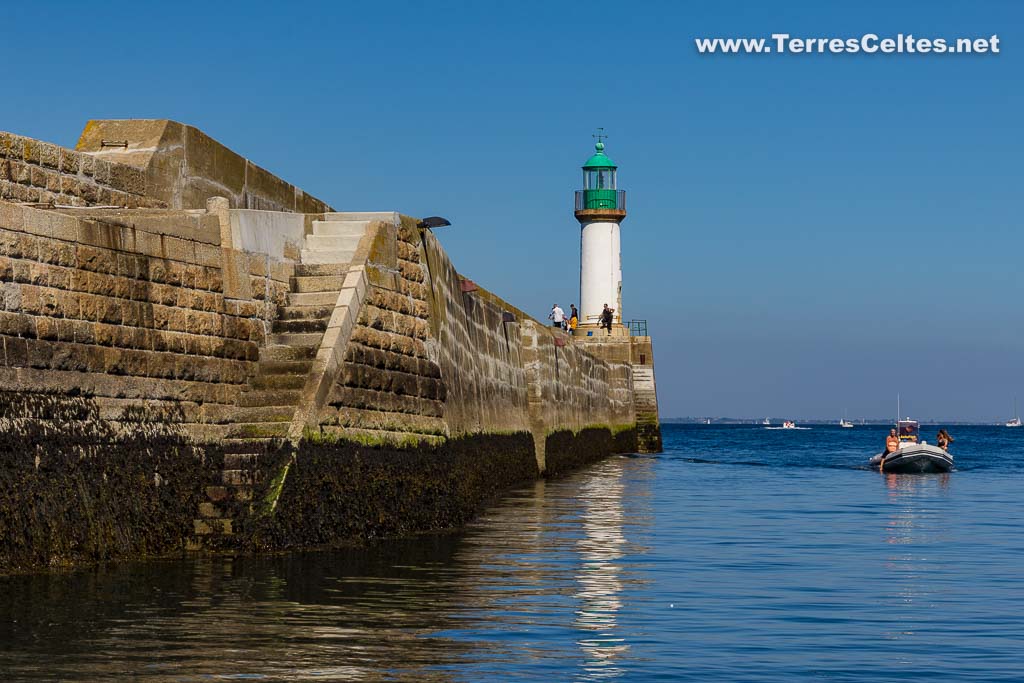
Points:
(807, 234)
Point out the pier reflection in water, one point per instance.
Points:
(497, 597)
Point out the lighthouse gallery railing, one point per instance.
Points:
(600, 199)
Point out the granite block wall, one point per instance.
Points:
(41, 172)
(128, 307)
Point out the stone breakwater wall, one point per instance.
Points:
(184, 370)
(433, 356)
(129, 308)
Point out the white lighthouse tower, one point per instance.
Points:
(600, 208)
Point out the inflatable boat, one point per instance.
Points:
(913, 457)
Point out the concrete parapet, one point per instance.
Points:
(183, 167)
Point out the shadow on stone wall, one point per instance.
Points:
(567, 450)
(75, 488)
(345, 491)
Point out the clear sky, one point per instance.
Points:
(807, 234)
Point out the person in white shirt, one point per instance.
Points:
(556, 316)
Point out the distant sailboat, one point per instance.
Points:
(1015, 422)
(766, 422)
(845, 423)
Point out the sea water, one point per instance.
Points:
(739, 554)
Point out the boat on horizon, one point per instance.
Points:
(845, 423)
(766, 422)
(913, 456)
(1015, 420)
(789, 424)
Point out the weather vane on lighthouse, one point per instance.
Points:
(600, 208)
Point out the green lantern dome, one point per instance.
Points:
(600, 190)
(599, 160)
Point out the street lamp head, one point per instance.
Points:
(434, 222)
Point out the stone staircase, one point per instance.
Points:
(266, 407)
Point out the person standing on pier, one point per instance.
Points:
(606, 318)
(556, 316)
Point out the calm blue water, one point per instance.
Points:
(740, 554)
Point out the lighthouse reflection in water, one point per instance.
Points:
(599, 577)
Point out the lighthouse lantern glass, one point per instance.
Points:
(599, 179)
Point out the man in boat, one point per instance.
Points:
(892, 444)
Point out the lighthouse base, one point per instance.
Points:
(592, 330)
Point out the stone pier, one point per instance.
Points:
(252, 369)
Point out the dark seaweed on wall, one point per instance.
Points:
(75, 487)
(346, 491)
(565, 450)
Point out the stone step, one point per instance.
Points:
(261, 382)
(332, 242)
(208, 510)
(244, 414)
(386, 216)
(216, 494)
(238, 477)
(267, 398)
(283, 352)
(258, 430)
(300, 325)
(334, 256)
(304, 312)
(340, 228)
(318, 283)
(313, 298)
(228, 494)
(309, 339)
(307, 269)
(241, 461)
(205, 527)
(285, 367)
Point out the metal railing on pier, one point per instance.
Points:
(637, 328)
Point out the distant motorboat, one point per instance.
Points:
(789, 424)
(913, 457)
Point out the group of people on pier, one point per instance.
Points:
(571, 321)
(559, 319)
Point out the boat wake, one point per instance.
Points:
(791, 428)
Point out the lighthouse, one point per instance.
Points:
(600, 208)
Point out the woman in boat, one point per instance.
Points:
(892, 444)
(943, 439)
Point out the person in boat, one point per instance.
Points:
(943, 439)
(892, 444)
